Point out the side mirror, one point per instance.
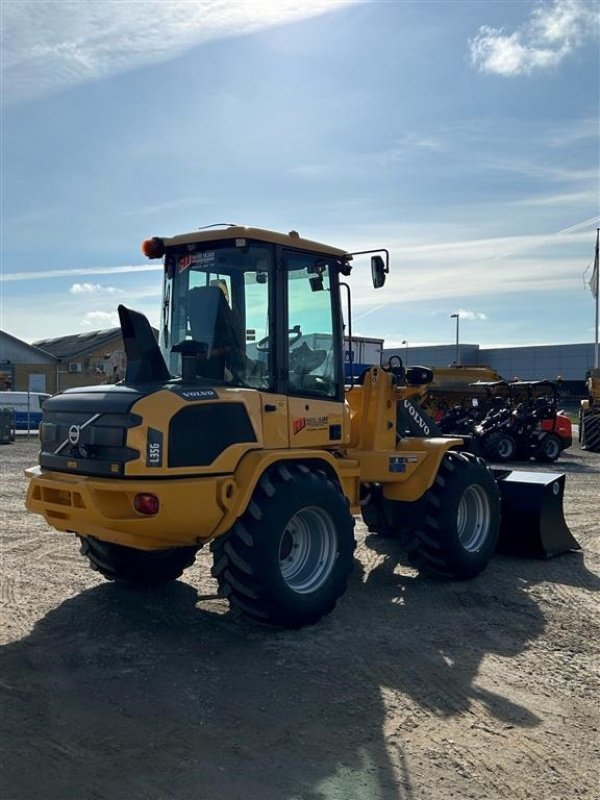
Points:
(378, 271)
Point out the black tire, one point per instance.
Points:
(375, 521)
(373, 514)
(549, 448)
(459, 529)
(255, 563)
(144, 567)
(499, 447)
(590, 435)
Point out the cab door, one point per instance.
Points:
(313, 367)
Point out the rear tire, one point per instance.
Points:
(373, 514)
(499, 447)
(144, 567)
(590, 430)
(459, 531)
(287, 559)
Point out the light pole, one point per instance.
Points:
(457, 356)
(405, 343)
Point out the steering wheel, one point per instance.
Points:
(263, 345)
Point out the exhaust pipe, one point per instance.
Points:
(533, 522)
(145, 363)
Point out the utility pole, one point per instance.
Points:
(457, 356)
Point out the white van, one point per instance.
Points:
(27, 407)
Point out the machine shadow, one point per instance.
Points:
(119, 693)
(447, 628)
(125, 694)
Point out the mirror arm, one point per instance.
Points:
(351, 352)
(373, 252)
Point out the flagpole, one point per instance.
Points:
(597, 294)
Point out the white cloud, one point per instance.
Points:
(551, 33)
(49, 45)
(91, 288)
(471, 268)
(66, 273)
(101, 319)
(588, 199)
(470, 315)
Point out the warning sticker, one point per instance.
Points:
(397, 464)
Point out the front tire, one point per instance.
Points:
(549, 448)
(117, 562)
(287, 560)
(459, 530)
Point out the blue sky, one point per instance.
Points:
(463, 136)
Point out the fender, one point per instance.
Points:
(237, 491)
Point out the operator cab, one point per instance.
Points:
(244, 307)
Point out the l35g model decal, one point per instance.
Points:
(154, 448)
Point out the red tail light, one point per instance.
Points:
(146, 503)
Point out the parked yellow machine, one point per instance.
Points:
(453, 386)
(589, 414)
(239, 431)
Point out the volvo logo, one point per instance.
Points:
(74, 434)
(417, 417)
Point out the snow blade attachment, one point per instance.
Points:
(533, 522)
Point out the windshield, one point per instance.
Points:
(218, 298)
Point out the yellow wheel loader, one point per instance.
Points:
(589, 414)
(237, 430)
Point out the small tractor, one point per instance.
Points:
(522, 422)
(589, 414)
(237, 430)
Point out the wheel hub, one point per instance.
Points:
(308, 550)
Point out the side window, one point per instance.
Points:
(311, 343)
(257, 365)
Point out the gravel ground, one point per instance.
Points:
(411, 689)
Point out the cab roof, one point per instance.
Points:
(291, 239)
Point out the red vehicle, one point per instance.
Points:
(562, 426)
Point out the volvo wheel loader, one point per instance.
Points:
(237, 431)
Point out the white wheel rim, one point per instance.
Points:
(473, 518)
(308, 550)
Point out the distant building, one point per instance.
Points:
(86, 359)
(24, 367)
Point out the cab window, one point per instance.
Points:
(311, 357)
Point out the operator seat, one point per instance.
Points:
(303, 361)
(214, 322)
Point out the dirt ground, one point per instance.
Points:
(411, 689)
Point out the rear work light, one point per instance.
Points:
(153, 248)
(146, 503)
